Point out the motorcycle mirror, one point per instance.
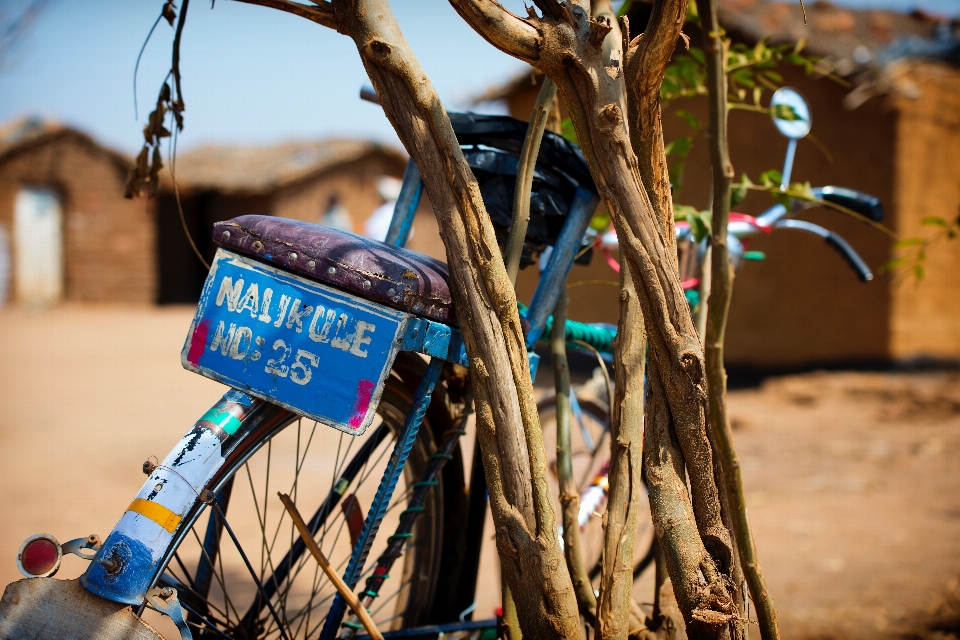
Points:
(791, 115)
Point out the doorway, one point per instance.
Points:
(38, 246)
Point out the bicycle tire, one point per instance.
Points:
(215, 614)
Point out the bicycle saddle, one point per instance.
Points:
(491, 146)
(398, 278)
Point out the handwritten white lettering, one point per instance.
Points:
(359, 339)
(265, 309)
(250, 301)
(337, 342)
(223, 338)
(243, 334)
(296, 315)
(229, 292)
(282, 311)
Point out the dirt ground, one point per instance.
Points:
(853, 479)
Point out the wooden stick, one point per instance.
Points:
(335, 578)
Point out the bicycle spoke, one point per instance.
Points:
(208, 624)
(186, 573)
(253, 573)
(219, 577)
(387, 600)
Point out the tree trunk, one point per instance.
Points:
(569, 496)
(508, 427)
(721, 288)
(626, 425)
(566, 45)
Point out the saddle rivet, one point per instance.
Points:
(391, 292)
(292, 256)
(331, 270)
(366, 284)
(226, 235)
(312, 264)
(257, 245)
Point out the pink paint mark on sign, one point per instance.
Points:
(198, 342)
(364, 393)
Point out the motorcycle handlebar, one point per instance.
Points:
(851, 256)
(862, 203)
(835, 241)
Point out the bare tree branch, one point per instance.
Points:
(721, 290)
(646, 62)
(323, 13)
(510, 439)
(569, 495)
(591, 90)
(507, 32)
(626, 424)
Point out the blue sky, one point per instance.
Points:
(250, 74)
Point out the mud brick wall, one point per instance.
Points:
(109, 252)
(803, 305)
(354, 183)
(926, 314)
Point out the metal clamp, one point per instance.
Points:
(91, 542)
(164, 599)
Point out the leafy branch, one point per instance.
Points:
(145, 173)
(912, 252)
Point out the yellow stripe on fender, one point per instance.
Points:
(156, 512)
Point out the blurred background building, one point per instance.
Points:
(889, 127)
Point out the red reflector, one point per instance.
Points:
(39, 556)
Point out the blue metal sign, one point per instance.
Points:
(312, 349)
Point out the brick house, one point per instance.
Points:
(892, 131)
(66, 232)
(292, 180)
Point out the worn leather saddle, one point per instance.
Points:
(395, 277)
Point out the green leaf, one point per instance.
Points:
(909, 242)
(679, 149)
(918, 271)
(934, 221)
(771, 179)
(689, 118)
(697, 55)
(680, 146)
(739, 191)
(801, 190)
(785, 112)
(568, 132)
(890, 265)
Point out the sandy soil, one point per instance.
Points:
(853, 479)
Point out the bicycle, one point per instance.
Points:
(312, 326)
(288, 304)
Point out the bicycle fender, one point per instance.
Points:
(124, 567)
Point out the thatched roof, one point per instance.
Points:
(263, 169)
(23, 134)
(862, 46)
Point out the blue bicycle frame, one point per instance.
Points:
(135, 553)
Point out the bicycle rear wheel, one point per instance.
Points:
(332, 477)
